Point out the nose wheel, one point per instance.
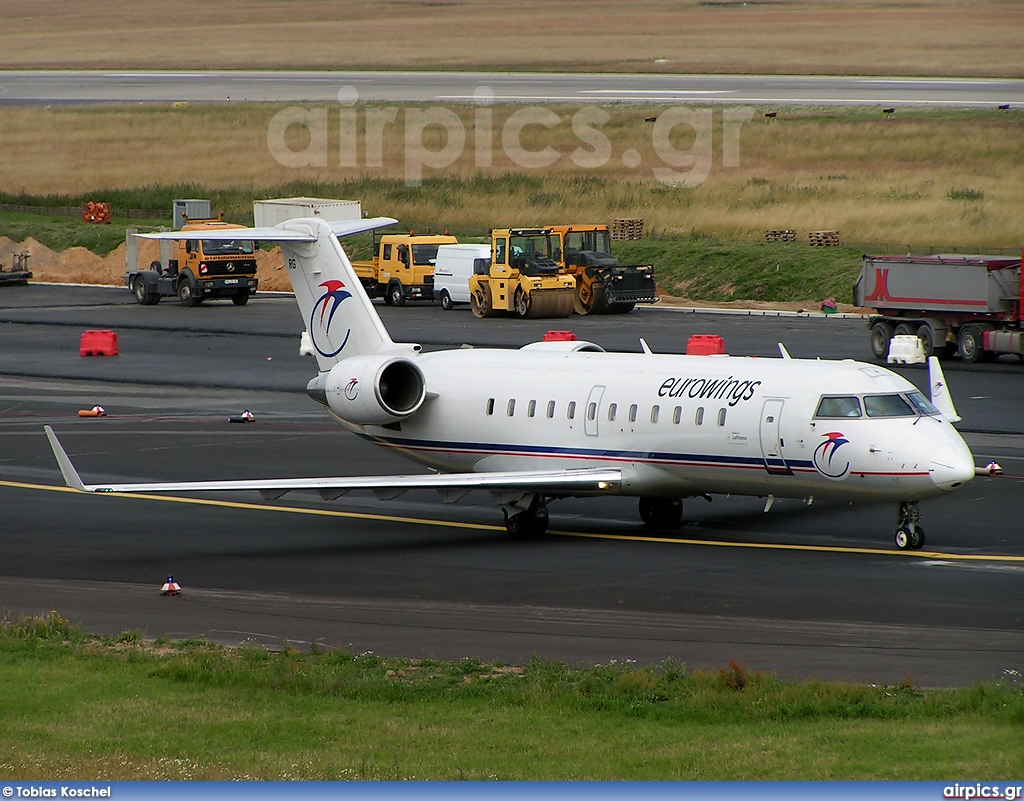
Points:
(910, 534)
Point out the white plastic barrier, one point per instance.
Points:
(906, 349)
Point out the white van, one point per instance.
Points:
(452, 269)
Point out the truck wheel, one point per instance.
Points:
(522, 304)
(142, 294)
(396, 295)
(970, 344)
(187, 293)
(446, 300)
(880, 335)
(240, 298)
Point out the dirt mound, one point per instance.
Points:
(271, 272)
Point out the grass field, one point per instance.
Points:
(859, 37)
(130, 710)
(947, 178)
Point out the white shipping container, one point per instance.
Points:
(268, 213)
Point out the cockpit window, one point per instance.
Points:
(921, 403)
(887, 406)
(846, 406)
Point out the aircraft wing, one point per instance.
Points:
(340, 229)
(456, 484)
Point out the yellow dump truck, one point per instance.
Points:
(603, 286)
(523, 277)
(402, 267)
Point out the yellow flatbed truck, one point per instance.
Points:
(402, 267)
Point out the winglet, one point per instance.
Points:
(71, 477)
(940, 397)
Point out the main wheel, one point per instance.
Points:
(446, 300)
(187, 293)
(528, 523)
(970, 344)
(661, 512)
(904, 329)
(522, 304)
(880, 335)
(396, 295)
(241, 297)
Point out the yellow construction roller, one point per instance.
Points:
(540, 303)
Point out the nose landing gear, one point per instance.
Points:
(910, 534)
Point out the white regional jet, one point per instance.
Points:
(558, 419)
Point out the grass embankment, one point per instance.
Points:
(949, 178)
(929, 37)
(82, 707)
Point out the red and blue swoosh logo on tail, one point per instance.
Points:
(825, 456)
(327, 306)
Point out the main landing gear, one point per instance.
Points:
(910, 534)
(661, 512)
(529, 522)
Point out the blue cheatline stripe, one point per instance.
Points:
(448, 446)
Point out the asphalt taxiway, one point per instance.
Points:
(800, 591)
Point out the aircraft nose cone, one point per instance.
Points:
(951, 466)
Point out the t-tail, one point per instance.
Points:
(339, 317)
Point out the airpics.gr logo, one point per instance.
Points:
(825, 456)
(327, 305)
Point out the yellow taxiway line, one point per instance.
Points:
(765, 546)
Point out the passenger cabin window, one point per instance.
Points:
(677, 414)
(512, 407)
(531, 410)
(887, 406)
(570, 410)
(698, 416)
(551, 408)
(721, 416)
(655, 411)
(632, 413)
(845, 406)
(612, 409)
(490, 406)
(592, 411)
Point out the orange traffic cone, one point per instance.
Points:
(170, 587)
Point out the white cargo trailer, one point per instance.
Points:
(268, 213)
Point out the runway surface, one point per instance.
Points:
(465, 87)
(800, 591)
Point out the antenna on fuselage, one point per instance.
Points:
(784, 352)
(644, 346)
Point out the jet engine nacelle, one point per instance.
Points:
(371, 390)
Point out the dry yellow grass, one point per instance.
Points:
(950, 178)
(869, 37)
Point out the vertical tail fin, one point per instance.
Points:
(338, 314)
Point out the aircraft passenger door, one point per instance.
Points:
(592, 411)
(771, 438)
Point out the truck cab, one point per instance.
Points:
(403, 267)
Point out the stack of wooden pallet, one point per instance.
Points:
(779, 235)
(823, 239)
(627, 229)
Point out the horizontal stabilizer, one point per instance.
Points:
(278, 234)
